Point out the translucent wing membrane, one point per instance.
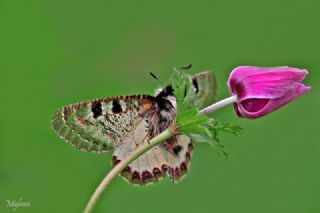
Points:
(98, 125)
(205, 87)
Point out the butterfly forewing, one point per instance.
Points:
(99, 125)
(205, 87)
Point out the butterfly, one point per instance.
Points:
(124, 123)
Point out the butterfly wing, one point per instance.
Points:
(156, 162)
(205, 87)
(120, 123)
(99, 125)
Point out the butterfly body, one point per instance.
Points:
(125, 123)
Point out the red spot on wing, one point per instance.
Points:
(157, 173)
(65, 113)
(183, 167)
(75, 107)
(126, 172)
(81, 120)
(176, 173)
(146, 106)
(113, 137)
(135, 176)
(115, 161)
(146, 176)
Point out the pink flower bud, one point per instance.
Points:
(260, 91)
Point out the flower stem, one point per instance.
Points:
(218, 105)
(168, 133)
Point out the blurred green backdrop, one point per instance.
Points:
(53, 53)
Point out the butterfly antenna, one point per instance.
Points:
(183, 68)
(155, 77)
(186, 67)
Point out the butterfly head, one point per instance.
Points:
(165, 96)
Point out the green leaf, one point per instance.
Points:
(201, 128)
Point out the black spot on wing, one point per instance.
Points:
(96, 109)
(195, 84)
(177, 149)
(116, 107)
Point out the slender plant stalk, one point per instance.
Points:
(168, 133)
(218, 105)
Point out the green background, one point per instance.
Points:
(53, 53)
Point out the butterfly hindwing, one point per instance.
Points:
(98, 125)
(157, 162)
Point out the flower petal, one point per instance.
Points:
(268, 83)
(249, 108)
